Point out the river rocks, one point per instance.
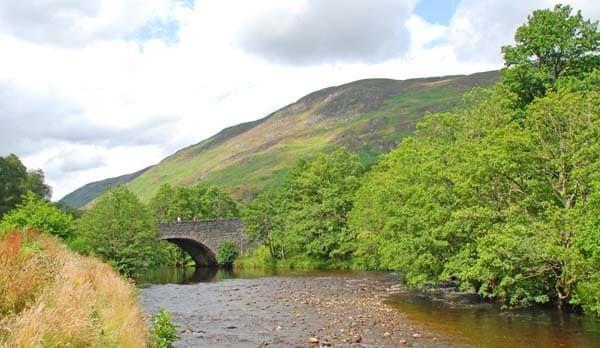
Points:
(332, 311)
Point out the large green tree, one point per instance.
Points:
(121, 230)
(16, 181)
(307, 215)
(552, 44)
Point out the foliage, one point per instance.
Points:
(499, 203)
(164, 331)
(227, 252)
(307, 214)
(201, 201)
(16, 181)
(121, 230)
(38, 213)
(553, 44)
(263, 221)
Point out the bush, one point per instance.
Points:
(39, 214)
(163, 329)
(227, 253)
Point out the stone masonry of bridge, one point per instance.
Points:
(201, 239)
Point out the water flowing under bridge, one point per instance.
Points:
(201, 239)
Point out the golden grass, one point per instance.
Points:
(77, 301)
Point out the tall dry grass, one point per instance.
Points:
(50, 296)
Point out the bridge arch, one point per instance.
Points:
(201, 239)
(202, 255)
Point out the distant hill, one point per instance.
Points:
(369, 117)
(89, 192)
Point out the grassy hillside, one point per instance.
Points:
(89, 192)
(369, 117)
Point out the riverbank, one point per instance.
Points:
(53, 297)
(346, 309)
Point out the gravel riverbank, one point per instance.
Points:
(337, 311)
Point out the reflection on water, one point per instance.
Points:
(190, 275)
(488, 326)
(176, 275)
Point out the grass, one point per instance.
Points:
(53, 297)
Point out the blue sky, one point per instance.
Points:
(436, 11)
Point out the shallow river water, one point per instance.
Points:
(342, 309)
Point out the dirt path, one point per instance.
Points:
(338, 311)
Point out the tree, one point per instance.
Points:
(201, 201)
(160, 204)
(262, 220)
(307, 215)
(218, 204)
(121, 230)
(553, 44)
(16, 181)
(34, 212)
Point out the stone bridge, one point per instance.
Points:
(201, 239)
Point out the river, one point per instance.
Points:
(343, 309)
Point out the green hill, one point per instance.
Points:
(369, 117)
(89, 192)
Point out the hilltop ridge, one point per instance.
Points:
(369, 117)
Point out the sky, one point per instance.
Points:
(100, 88)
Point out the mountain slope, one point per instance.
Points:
(369, 117)
(89, 192)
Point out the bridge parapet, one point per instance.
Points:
(201, 239)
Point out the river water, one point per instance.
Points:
(287, 309)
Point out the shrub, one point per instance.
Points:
(227, 253)
(40, 214)
(163, 329)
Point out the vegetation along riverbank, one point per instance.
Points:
(53, 297)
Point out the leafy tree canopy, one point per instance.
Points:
(16, 181)
(552, 44)
(201, 201)
(307, 214)
(121, 230)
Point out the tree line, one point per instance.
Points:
(501, 195)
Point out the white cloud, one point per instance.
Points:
(74, 23)
(328, 31)
(81, 100)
